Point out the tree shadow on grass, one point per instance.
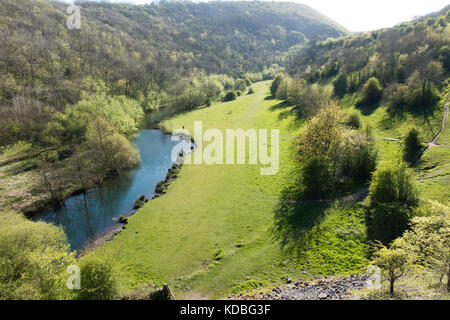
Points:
(294, 218)
(367, 108)
(287, 110)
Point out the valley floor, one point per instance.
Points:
(221, 229)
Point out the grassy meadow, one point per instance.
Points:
(215, 232)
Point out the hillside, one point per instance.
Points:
(135, 49)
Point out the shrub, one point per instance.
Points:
(230, 96)
(393, 183)
(275, 83)
(340, 85)
(98, 279)
(422, 98)
(412, 146)
(251, 91)
(282, 91)
(388, 221)
(34, 257)
(354, 121)
(429, 240)
(240, 85)
(394, 262)
(371, 92)
(444, 57)
(398, 98)
(393, 198)
(317, 177)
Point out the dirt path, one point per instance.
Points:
(433, 143)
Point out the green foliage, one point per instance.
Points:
(282, 90)
(230, 96)
(34, 257)
(393, 198)
(275, 84)
(98, 279)
(340, 85)
(393, 183)
(246, 286)
(394, 262)
(336, 157)
(388, 221)
(412, 146)
(354, 121)
(371, 92)
(398, 98)
(444, 57)
(317, 177)
(429, 240)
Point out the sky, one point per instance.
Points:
(365, 15)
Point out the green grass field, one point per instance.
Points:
(216, 232)
(433, 171)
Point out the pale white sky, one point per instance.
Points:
(365, 15)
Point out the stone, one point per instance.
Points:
(323, 296)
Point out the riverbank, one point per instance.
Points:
(215, 225)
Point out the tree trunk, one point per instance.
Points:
(448, 280)
(391, 289)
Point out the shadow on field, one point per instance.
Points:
(294, 218)
(367, 109)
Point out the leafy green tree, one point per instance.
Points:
(340, 85)
(230, 96)
(34, 257)
(371, 92)
(98, 279)
(394, 262)
(317, 177)
(398, 98)
(412, 146)
(275, 83)
(393, 199)
(354, 121)
(429, 240)
(393, 183)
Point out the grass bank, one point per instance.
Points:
(219, 229)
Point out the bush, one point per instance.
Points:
(340, 85)
(275, 83)
(371, 92)
(240, 85)
(282, 91)
(230, 96)
(429, 240)
(393, 183)
(388, 221)
(317, 178)
(34, 257)
(394, 262)
(444, 57)
(251, 91)
(354, 121)
(98, 280)
(393, 198)
(398, 98)
(412, 146)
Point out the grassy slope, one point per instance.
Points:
(227, 210)
(433, 172)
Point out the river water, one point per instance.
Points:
(94, 214)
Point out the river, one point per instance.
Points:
(94, 214)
